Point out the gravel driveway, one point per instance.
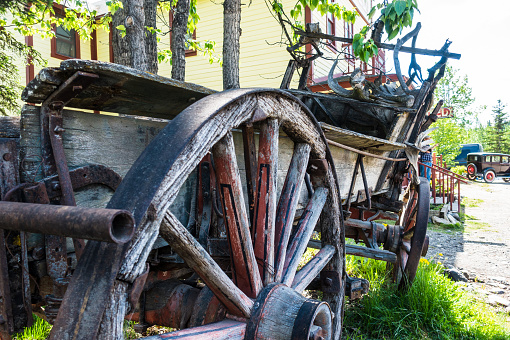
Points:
(482, 249)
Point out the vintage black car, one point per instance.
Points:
(488, 166)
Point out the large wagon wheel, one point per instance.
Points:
(264, 294)
(414, 219)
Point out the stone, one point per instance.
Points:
(496, 291)
(496, 300)
(455, 275)
(439, 220)
(451, 219)
(456, 216)
(499, 279)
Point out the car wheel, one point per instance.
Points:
(489, 176)
(471, 172)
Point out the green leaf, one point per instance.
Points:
(388, 27)
(372, 12)
(400, 7)
(393, 34)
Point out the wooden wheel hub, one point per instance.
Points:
(282, 313)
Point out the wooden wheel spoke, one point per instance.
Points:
(288, 203)
(304, 231)
(184, 244)
(244, 265)
(265, 199)
(312, 268)
(410, 209)
(410, 221)
(223, 330)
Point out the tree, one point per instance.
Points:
(132, 19)
(231, 35)
(449, 135)
(497, 135)
(464, 127)
(456, 93)
(10, 48)
(178, 45)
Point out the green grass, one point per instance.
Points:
(40, 330)
(472, 202)
(476, 225)
(433, 308)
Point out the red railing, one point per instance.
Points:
(446, 181)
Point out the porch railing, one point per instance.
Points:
(446, 181)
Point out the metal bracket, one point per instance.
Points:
(331, 282)
(355, 288)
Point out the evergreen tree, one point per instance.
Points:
(497, 133)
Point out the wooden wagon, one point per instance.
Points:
(211, 200)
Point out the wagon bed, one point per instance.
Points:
(160, 152)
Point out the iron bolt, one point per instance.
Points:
(55, 186)
(57, 106)
(7, 157)
(328, 282)
(38, 253)
(59, 129)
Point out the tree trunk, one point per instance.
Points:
(151, 42)
(178, 42)
(231, 35)
(136, 49)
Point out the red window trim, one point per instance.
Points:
(59, 10)
(187, 53)
(330, 18)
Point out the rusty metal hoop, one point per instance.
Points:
(153, 182)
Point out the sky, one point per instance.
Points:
(479, 31)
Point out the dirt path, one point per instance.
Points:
(483, 249)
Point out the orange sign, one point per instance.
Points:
(445, 112)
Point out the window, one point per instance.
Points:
(349, 33)
(330, 27)
(504, 159)
(496, 159)
(66, 43)
(487, 159)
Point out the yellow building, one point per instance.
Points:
(263, 57)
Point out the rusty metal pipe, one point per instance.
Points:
(107, 225)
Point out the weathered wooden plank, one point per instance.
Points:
(350, 249)
(244, 265)
(287, 204)
(9, 127)
(376, 254)
(358, 140)
(265, 200)
(120, 89)
(304, 231)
